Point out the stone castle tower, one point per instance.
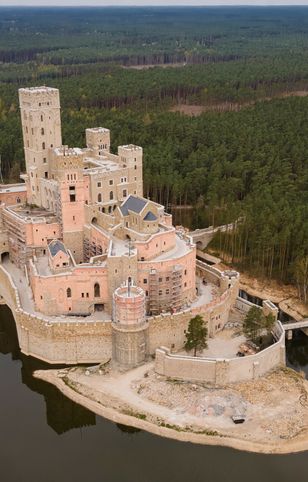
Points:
(66, 167)
(129, 328)
(98, 139)
(41, 127)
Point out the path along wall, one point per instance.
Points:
(221, 372)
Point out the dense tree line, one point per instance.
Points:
(249, 165)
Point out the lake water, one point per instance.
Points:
(44, 437)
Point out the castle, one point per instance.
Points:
(90, 268)
(85, 228)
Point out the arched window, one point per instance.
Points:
(18, 200)
(43, 145)
(111, 195)
(99, 198)
(42, 131)
(69, 293)
(97, 290)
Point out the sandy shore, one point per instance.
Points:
(141, 399)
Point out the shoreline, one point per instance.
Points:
(297, 444)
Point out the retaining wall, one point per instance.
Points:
(220, 372)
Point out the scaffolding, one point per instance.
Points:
(17, 239)
(91, 249)
(165, 290)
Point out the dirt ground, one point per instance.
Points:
(226, 343)
(275, 407)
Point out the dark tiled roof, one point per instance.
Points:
(150, 216)
(134, 204)
(55, 247)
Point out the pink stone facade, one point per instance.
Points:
(79, 227)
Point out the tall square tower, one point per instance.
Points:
(41, 127)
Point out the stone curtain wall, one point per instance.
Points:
(69, 341)
(222, 371)
(212, 275)
(66, 342)
(244, 305)
(169, 329)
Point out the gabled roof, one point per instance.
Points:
(133, 203)
(150, 217)
(56, 246)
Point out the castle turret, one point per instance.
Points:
(131, 156)
(129, 326)
(98, 139)
(41, 126)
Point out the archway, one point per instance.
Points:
(94, 220)
(97, 290)
(5, 257)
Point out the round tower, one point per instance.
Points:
(129, 328)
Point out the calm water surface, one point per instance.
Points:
(44, 437)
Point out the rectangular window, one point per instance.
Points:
(72, 198)
(110, 182)
(145, 281)
(99, 184)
